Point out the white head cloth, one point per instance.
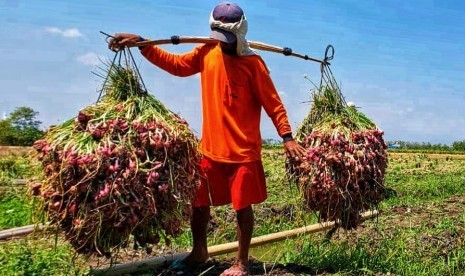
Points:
(239, 29)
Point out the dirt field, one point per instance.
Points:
(9, 150)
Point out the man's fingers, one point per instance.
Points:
(291, 154)
(295, 151)
(118, 41)
(125, 42)
(113, 44)
(298, 153)
(114, 47)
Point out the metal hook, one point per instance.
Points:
(328, 48)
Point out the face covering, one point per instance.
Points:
(239, 29)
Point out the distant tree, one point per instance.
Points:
(420, 146)
(20, 128)
(24, 118)
(459, 145)
(270, 142)
(28, 136)
(7, 133)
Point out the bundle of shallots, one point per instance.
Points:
(124, 171)
(343, 171)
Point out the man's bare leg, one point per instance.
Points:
(199, 224)
(245, 222)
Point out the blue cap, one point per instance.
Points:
(227, 13)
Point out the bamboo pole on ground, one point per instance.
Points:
(20, 231)
(12, 185)
(20, 181)
(221, 249)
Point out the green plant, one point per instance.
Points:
(39, 257)
(15, 210)
(16, 167)
(418, 232)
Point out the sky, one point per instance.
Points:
(401, 62)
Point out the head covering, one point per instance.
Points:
(227, 13)
(228, 24)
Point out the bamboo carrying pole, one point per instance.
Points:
(221, 249)
(253, 44)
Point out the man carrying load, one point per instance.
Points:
(235, 86)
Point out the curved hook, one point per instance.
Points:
(329, 49)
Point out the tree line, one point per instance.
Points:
(21, 128)
(455, 146)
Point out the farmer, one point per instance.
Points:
(235, 86)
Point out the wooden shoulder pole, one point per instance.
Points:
(253, 44)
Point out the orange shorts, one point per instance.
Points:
(241, 184)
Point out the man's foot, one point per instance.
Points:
(237, 269)
(190, 262)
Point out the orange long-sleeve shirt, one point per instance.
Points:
(234, 89)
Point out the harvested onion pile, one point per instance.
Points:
(124, 171)
(343, 172)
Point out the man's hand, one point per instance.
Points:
(123, 40)
(294, 150)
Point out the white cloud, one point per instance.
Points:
(53, 30)
(282, 94)
(89, 59)
(71, 33)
